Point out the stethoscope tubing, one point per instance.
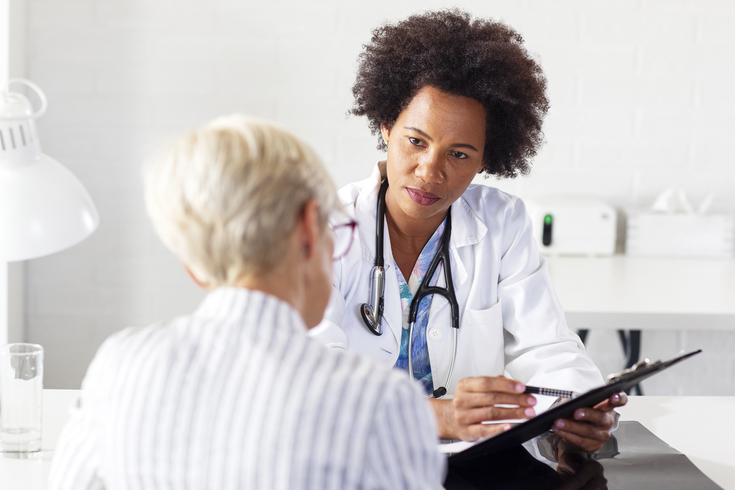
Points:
(380, 224)
(441, 256)
(372, 313)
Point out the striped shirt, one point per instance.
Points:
(238, 396)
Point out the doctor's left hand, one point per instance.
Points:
(590, 427)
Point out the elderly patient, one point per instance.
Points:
(235, 394)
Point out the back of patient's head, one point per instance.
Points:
(225, 198)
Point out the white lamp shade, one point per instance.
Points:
(43, 209)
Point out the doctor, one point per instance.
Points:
(451, 97)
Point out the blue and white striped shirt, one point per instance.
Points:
(237, 396)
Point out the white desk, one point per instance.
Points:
(700, 427)
(32, 474)
(636, 293)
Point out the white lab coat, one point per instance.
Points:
(510, 319)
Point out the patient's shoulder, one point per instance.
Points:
(378, 382)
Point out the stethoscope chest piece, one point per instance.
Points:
(372, 312)
(372, 319)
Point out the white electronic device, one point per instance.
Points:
(573, 226)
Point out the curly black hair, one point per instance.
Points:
(481, 59)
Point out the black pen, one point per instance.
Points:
(550, 392)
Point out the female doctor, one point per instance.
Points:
(451, 97)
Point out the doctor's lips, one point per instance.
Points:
(421, 197)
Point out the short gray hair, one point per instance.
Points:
(226, 197)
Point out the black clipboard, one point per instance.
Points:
(543, 422)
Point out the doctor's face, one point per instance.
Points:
(435, 148)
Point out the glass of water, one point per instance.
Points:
(21, 389)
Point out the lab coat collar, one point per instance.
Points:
(467, 229)
(366, 211)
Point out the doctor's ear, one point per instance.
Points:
(385, 132)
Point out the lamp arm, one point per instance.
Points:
(36, 88)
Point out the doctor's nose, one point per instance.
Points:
(431, 168)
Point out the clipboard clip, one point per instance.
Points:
(633, 371)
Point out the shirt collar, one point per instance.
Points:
(234, 303)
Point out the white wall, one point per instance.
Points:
(12, 65)
(4, 63)
(641, 94)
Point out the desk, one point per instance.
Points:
(32, 474)
(636, 293)
(702, 427)
(708, 442)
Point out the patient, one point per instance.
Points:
(235, 395)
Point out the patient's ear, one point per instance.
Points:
(309, 228)
(194, 278)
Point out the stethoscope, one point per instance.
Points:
(372, 313)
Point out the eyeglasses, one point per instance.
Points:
(343, 234)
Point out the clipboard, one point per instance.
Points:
(543, 422)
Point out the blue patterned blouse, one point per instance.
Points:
(421, 363)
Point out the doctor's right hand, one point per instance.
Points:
(476, 400)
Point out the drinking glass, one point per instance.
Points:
(21, 389)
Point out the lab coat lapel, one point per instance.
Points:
(467, 230)
(365, 213)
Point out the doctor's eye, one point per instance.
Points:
(414, 141)
(460, 155)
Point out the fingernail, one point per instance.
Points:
(559, 424)
(616, 398)
(520, 388)
(529, 412)
(507, 427)
(531, 400)
(579, 414)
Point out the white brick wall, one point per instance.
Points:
(641, 91)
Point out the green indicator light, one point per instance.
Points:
(548, 219)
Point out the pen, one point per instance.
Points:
(550, 392)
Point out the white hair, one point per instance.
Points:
(226, 197)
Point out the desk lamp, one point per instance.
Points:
(43, 207)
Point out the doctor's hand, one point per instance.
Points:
(590, 427)
(475, 400)
(578, 472)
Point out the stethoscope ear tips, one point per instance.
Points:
(368, 316)
(439, 392)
